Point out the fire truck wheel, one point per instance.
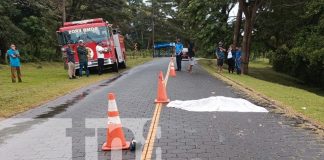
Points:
(123, 64)
(115, 67)
(77, 72)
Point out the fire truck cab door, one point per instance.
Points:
(118, 49)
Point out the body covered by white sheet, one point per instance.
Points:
(217, 104)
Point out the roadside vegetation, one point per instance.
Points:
(43, 82)
(277, 86)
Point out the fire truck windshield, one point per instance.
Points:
(92, 34)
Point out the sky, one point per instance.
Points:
(232, 14)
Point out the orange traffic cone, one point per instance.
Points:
(172, 70)
(161, 92)
(115, 139)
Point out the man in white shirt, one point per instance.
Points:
(101, 57)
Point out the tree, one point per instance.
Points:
(207, 22)
(140, 23)
(250, 11)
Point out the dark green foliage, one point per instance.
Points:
(206, 22)
(302, 54)
(32, 24)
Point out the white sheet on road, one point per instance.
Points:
(217, 104)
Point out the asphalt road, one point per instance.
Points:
(73, 126)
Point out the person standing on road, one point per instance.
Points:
(230, 59)
(178, 50)
(83, 58)
(220, 54)
(238, 60)
(14, 58)
(191, 56)
(71, 62)
(101, 57)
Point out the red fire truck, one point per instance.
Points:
(92, 32)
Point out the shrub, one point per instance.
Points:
(304, 61)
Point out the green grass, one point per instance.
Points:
(41, 85)
(280, 87)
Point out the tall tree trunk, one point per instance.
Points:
(153, 25)
(246, 45)
(237, 28)
(142, 38)
(3, 49)
(153, 34)
(148, 43)
(64, 11)
(249, 36)
(249, 10)
(36, 50)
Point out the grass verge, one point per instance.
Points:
(288, 91)
(43, 84)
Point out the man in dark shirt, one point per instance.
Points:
(191, 55)
(220, 54)
(83, 58)
(71, 62)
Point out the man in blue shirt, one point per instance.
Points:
(238, 60)
(178, 50)
(14, 57)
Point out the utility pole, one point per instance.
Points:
(153, 25)
(58, 49)
(64, 11)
